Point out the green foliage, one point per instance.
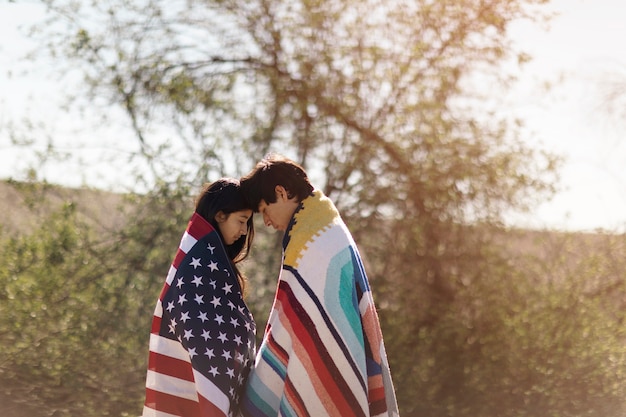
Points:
(62, 354)
(76, 308)
(382, 102)
(527, 336)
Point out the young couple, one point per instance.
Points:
(322, 352)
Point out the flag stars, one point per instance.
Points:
(184, 317)
(213, 266)
(226, 355)
(199, 299)
(197, 280)
(195, 262)
(215, 341)
(192, 352)
(216, 301)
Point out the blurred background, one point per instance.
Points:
(474, 149)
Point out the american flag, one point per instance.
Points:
(202, 342)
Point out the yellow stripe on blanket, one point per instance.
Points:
(318, 212)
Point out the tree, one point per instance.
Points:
(378, 99)
(363, 92)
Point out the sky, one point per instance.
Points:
(578, 54)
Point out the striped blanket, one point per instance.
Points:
(202, 342)
(322, 352)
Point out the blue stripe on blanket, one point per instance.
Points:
(254, 403)
(275, 363)
(342, 303)
(329, 325)
(359, 271)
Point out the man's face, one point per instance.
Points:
(278, 214)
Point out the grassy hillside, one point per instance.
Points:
(20, 213)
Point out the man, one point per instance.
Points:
(322, 352)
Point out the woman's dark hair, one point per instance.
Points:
(260, 183)
(225, 195)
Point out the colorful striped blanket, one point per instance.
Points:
(202, 342)
(322, 352)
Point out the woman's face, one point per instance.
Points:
(233, 225)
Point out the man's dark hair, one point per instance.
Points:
(260, 183)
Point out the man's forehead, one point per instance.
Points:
(262, 205)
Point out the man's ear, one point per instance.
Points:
(281, 193)
(221, 217)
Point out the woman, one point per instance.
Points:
(202, 342)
